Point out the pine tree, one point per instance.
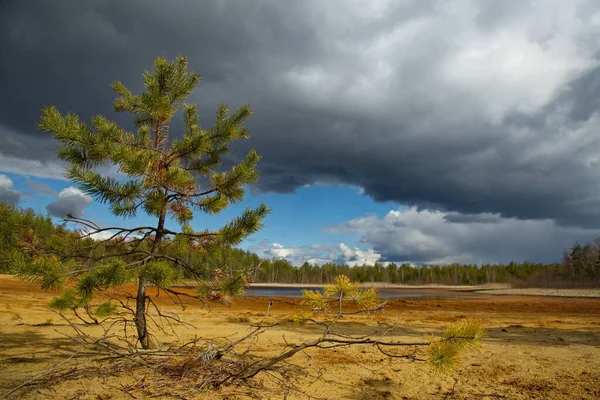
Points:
(162, 176)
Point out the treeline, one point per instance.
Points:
(14, 222)
(525, 274)
(579, 267)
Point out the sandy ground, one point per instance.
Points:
(536, 348)
(544, 292)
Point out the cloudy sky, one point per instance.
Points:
(419, 131)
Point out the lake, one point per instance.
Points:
(384, 293)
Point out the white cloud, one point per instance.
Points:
(355, 256)
(448, 59)
(29, 167)
(521, 66)
(317, 254)
(297, 255)
(7, 194)
(436, 237)
(30, 148)
(20, 153)
(69, 201)
(5, 182)
(49, 170)
(104, 235)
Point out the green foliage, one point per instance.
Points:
(301, 317)
(161, 174)
(465, 333)
(161, 274)
(234, 284)
(161, 178)
(442, 356)
(87, 285)
(582, 268)
(444, 353)
(13, 223)
(105, 309)
(68, 300)
(367, 299)
(223, 286)
(48, 272)
(342, 289)
(249, 222)
(114, 274)
(314, 300)
(72, 299)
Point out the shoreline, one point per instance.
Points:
(383, 285)
(544, 292)
(488, 289)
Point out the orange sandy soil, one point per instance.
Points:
(536, 348)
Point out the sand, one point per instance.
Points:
(536, 348)
(544, 292)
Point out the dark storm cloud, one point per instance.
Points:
(471, 107)
(472, 218)
(586, 101)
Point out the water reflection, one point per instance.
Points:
(384, 293)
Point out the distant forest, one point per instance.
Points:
(580, 266)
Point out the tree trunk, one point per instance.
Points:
(140, 301)
(140, 314)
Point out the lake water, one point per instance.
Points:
(384, 293)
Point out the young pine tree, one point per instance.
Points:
(160, 176)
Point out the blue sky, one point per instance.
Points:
(297, 220)
(322, 223)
